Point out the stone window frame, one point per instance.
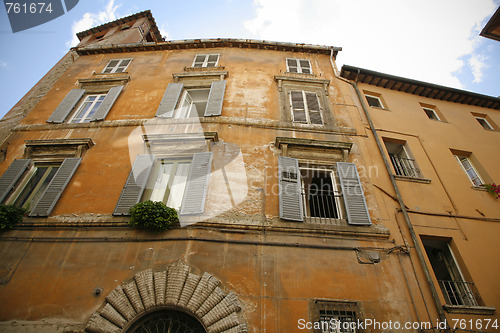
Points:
(286, 84)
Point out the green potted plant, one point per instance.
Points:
(10, 215)
(153, 215)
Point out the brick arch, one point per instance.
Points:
(175, 288)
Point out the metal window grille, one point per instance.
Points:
(320, 196)
(460, 293)
(404, 166)
(166, 321)
(338, 317)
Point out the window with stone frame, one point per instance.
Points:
(318, 185)
(193, 95)
(38, 180)
(298, 66)
(304, 101)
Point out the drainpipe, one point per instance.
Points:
(418, 249)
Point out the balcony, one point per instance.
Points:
(460, 293)
(404, 166)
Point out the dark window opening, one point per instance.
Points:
(319, 193)
(166, 321)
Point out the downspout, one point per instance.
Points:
(442, 316)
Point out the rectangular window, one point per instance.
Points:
(298, 66)
(337, 317)
(193, 103)
(320, 193)
(470, 170)
(456, 289)
(486, 125)
(431, 113)
(33, 185)
(374, 101)
(117, 66)
(402, 162)
(305, 107)
(206, 60)
(87, 108)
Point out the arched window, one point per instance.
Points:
(166, 321)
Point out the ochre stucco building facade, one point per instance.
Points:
(289, 216)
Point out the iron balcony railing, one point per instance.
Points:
(321, 206)
(404, 166)
(460, 293)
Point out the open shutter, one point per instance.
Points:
(215, 99)
(11, 176)
(135, 184)
(289, 185)
(56, 187)
(169, 100)
(68, 103)
(107, 103)
(352, 192)
(197, 184)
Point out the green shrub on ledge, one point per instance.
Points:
(155, 216)
(10, 215)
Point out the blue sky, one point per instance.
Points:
(435, 41)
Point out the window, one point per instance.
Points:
(36, 186)
(336, 316)
(374, 101)
(193, 103)
(401, 159)
(117, 66)
(33, 185)
(312, 193)
(168, 182)
(305, 107)
(206, 60)
(298, 66)
(181, 184)
(87, 108)
(431, 113)
(320, 193)
(470, 170)
(456, 289)
(486, 125)
(184, 102)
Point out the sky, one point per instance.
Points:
(435, 41)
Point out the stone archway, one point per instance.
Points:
(176, 288)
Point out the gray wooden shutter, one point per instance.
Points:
(56, 187)
(107, 103)
(195, 194)
(135, 184)
(215, 98)
(352, 192)
(289, 186)
(11, 176)
(169, 101)
(68, 103)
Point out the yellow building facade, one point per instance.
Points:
(277, 164)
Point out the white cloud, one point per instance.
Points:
(90, 20)
(163, 31)
(424, 40)
(478, 64)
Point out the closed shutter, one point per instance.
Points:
(215, 98)
(107, 103)
(66, 106)
(11, 177)
(169, 100)
(298, 107)
(135, 184)
(197, 184)
(289, 186)
(291, 65)
(313, 108)
(352, 192)
(56, 187)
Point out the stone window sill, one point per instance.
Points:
(477, 310)
(413, 179)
